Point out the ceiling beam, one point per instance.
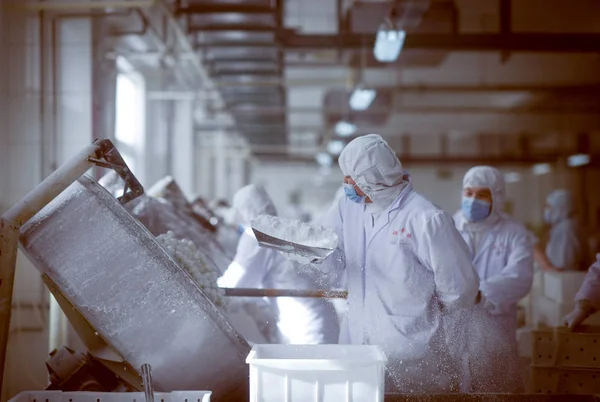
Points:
(513, 42)
(225, 8)
(231, 27)
(421, 110)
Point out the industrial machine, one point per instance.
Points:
(125, 296)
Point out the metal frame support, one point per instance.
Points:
(12, 220)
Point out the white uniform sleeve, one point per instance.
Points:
(249, 266)
(514, 281)
(443, 249)
(590, 289)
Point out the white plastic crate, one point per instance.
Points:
(560, 380)
(524, 341)
(59, 396)
(560, 347)
(562, 287)
(319, 373)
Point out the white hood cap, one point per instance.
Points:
(375, 168)
(561, 202)
(488, 177)
(251, 201)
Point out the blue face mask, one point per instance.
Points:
(352, 195)
(475, 210)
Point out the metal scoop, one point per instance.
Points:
(314, 254)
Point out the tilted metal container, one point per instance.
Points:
(132, 295)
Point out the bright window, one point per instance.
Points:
(130, 119)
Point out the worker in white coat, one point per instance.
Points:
(587, 299)
(405, 265)
(298, 320)
(503, 257)
(567, 247)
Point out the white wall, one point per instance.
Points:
(280, 179)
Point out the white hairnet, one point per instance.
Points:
(487, 177)
(251, 201)
(561, 202)
(374, 166)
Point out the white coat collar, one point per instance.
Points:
(398, 202)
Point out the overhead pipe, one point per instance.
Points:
(478, 42)
(341, 83)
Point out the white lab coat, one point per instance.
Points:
(488, 347)
(412, 265)
(590, 289)
(298, 320)
(567, 246)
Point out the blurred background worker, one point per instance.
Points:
(404, 260)
(294, 209)
(503, 257)
(567, 247)
(282, 319)
(587, 300)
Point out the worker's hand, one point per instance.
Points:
(582, 311)
(574, 318)
(549, 267)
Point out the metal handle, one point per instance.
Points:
(113, 160)
(147, 382)
(319, 294)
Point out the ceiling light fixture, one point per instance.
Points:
(541, 168)
(578, 160)
(336, 147)
(345, 129)
(324, 159)
(362, 98)
(512, 177)
(388, 43)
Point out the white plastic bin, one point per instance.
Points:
(524, 341)
(59, 396)
(319, 373)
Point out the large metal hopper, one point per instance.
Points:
(119, 280)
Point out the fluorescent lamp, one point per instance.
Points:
(512, 177)
(541, 168)
(324, 159)
(388, 44)
(578, 160)
(336, 147)
(361, 98)
(345, 129)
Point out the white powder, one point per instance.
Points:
(296, 231)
